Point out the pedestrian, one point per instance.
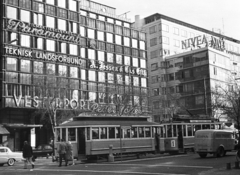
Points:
(27, 155)
(69, 152)
(62, 152)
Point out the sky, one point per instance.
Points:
(207, 14)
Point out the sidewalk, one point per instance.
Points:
(222, 171)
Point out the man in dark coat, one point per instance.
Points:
(62, 152)
(27, 154)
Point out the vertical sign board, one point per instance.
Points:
(173, 144)
(33, 137)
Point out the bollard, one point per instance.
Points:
(110, 156)
(237, 165)
(228, 166)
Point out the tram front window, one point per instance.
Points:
(95, 133)
(126, 133)
(72, 134)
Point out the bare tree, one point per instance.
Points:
(228, 100)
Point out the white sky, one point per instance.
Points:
(208, 14)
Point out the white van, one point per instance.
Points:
(216, 142)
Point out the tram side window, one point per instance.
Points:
(169, 131)
(141, 132)
(189, 130)
(88, 133)
(212, 126)
(103, 133)
(95, 133)
(134, 132)
(162, 133)
(147, 132)
(58, 135)
(184, 131)
(175, 130)
(126, 133)
(72, 134)
(111, 132)
(64, 134)
(179, 128)
(117, 132)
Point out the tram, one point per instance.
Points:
(93, 137)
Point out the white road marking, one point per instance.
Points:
(112, 172)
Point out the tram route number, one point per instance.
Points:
(173, 143)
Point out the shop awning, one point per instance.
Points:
(3, 130)
(20, 125)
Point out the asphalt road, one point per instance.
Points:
(185, 164)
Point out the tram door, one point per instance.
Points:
(81, 141)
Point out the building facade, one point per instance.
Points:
(166, 37)
(91, 57)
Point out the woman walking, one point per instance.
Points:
(27, 155)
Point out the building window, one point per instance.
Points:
(62, 24)
(101, 76)
(142, 63)
(126, 41)
(118, 39)
(11, 12)
(165, 40)
(199, 100)
(38, 7)
(38, 19)
(154, 54)
(50, 45)
(165, 27)
(153, 42)
(109, 27)
(118, 30)
(73, 72)
(142, 45)
(50, 21)
(91, 33)
(176, 31)
(83, 74)
(143, 82)
(62, 70)
(25, 66)
(152, 29)
(100, 25)
(91, 75)
(134, 43)
(126, 32)
(11, 64)
(73, 5)
(50, 69)
(62, 3)
(91, 54)
(73, 27)
(73, 49)
(25, 16)
(63, 47)
(83, 53)
(38, 67)
(127, 60)
(62, 13)
(135, 62)
(156, 91)
(82, 31)
(100, 36)
(154, 66)
(110, 57)
(25, 40)
(154, 79)
(109, 37)
(119, 59)
(50, 10)
(50, 2)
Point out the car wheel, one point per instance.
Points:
(11, 162)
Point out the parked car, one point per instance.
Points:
(43, 150)
(9, 157)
